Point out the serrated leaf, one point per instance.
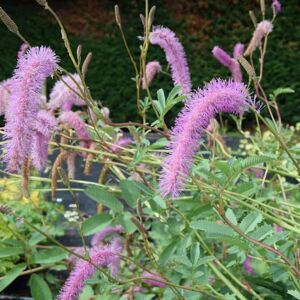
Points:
(11, 276)
(39, 288)
(231, 216)
(250, 222)
(204, 260)
(174, 92)
(167, 253)
(95, 223)
(262, 232)
(294, 293)
(49, 256)
(11, 251)
(211, 227)
(104, 197)
(130, 192)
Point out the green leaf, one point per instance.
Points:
(39, 288)
(204, 260)
(95, 223)
(104, 197)
(294, 293)
(167, 253)
(211, 227)
(49, 256)
(36, 238)
(161, 98)
(281, 91)
(174, 92)
(130, 192)
(11, 276)
(87, 293)
(10, 251)
(231, 216)
(250, 222)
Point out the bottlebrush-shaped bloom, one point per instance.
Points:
(231, 63)
(83, 270)
(262, 29)
(32, 69)
(276, 6)
(63, 95)
(117, 247)
(200, 107)
(238, 50)
(4, 95)
(74, 121)
(152, 68)
(121, 143)
(100, 236)
(153, 281)
(175, 55)
(45, 126)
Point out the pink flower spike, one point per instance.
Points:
(175, 55)
(4, 95)
(22, 50)
(121, 143)
(33, 68)
(153, 279)
(222, 56)
(235, 70)
(74, 121)
(238, 50)
(276, 6)
(63, 95)
(152, 68)
(262, 30)
(200, 107)
(45, 126)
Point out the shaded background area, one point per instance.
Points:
(200, 24)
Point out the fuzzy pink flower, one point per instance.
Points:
(278, 228)
(33, 68)
(45, 126)
(109, 230)
(152, 68)
(200, 107)
(222, 56)
(238, 50)
(153, 281)
(175, 55)
(63, 95)
(247, 265)
(4, 95)
(231, 63)
(121, 143)
(117, 247)
(262, 30)
(276, 6)
(74, 121)
(83, 270)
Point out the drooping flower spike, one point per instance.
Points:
(276, 6)
(153, 279)
(45, 126)
(201, 106)
(74, 121)
(152, 68)
(101, 257)
(63, 96)
(175, 55)
(262, 30)
(21, 115)
(231, 63)
(100, 236)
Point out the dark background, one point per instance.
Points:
(199, 24)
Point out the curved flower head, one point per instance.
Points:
(175, 55)
(121, 143)
(152, 68)
(117, 247)
(45, 126)
(32, 69)
(276, 6)
(201, 106)
(235, 70)
(222, 56)
(262, 30)
(153, 281)
(238, 50)
(63, 95)
(74, 121)
(83, 270)
(22, 50)
(247, 265)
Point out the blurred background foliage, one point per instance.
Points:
(200, 25)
